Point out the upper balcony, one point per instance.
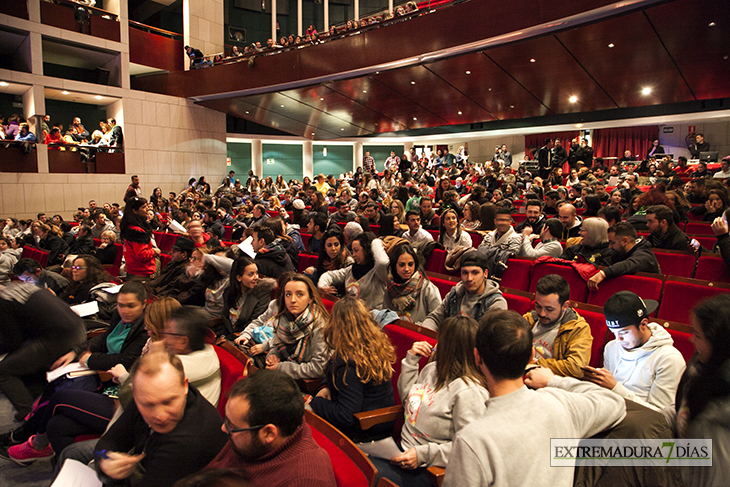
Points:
(92, 21)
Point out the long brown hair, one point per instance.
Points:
(157, 313)
(455, 352)
(320, 312)
(352, 334)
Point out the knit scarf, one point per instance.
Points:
(294, 335)
(404, 295)
(272, 247)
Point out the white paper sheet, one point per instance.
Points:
(176, 227)
(113, 289)
(76, 474)
(247, 248)
(385, 448)
(86, 309)
(52, 375)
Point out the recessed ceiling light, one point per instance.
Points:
(468, 72)
(532, 60)
(573, 99)
(64, 93)
(414, 118)
(459, 113)
(578, 125)
(312, 133)
(490, 89)
(246, 111)
(611, 45)
(342, 129)
(646, 91)
(321, 99)
(98, 97)
(282, 106)
(413, 82)
(364, 91)
(511, 106)
(3, 83)
(711, 24)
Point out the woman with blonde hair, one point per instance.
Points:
(107, 251)
(457, 393)
(593, 246)
(357, 377)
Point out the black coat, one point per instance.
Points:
(672, 239)
(131, 349)
(639, 259)
(56, 247)
(82, 245)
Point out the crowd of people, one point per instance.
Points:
(528, 381)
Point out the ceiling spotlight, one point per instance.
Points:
(282, 106)
(532, 60)
(364, 91)
(98, 97)
(511, 106)
(490, 89)
(711, 24)
(246, 112)
(459, 113)
(312, 133)
(573, 99)
(611, 45)
(342, 129)
(414, 118)
(578, 125)
(3, 83)
(646, 91)
(468, 72)
(413, 82)
(64, 93)
(321, 99)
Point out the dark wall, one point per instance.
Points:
(63, 112)
(7, 108)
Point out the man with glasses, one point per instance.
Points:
(167, 432)
(267, 438)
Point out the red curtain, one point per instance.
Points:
(535, 141)
(613, 142)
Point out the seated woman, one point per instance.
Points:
(366, 277)
(357, 377)
(457, 395)
(703, 395)
(86, 272)
(592, 204)
(297, 348)
(9, 255)
(389, 226)
(73, 412)
(50, 240)
(246, 298)
(716, 204)
(615, 200)
(107, 251)
(122, 344)
(333, 255)
(450, 202)
(409, 291)
(593, 247)
(471, 216)
(451, 234)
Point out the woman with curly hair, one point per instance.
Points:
(444, 185)
(471, 216)
(409, 291)
(86, 272)
(357, 377)
(654, 196)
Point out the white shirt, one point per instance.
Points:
(420, 236)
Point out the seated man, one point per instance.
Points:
(167, 432)
(549, 245)
(551, 202)
(522, 420)
(267, 437)
(533, 218)
(31, 272)
(561, 337)
(373, 213)
(83, 244)
(100, 224)
(641, 364)
(184, 335)
(343, 213)
(664, 233)
(503, 236)
(473, 296)
(212, 225)
(632, 255)
(271, 258)
(316, 227)
(571, 222)
(415, 232)
(181, 252)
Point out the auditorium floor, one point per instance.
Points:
(36, 475)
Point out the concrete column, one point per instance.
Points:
(273, 20)
(357, 9)
(357, 155)
(390, 5)
(257, 154)
(36, 53)
(299, 18)
(34, 108)
(308, 159)
(34, 11)
(326, 15)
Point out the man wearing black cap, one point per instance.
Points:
(181, 253)
(473, 296)
(641, 364)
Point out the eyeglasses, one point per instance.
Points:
(229, 427)
(77, 267)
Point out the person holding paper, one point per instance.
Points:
(446, 395)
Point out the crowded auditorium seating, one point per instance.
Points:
(578, 288)
(711, 267)
(30, 252)
(645, 285)
(680, 295)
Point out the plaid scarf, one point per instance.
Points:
(404, 295)
(294, 335)
(272, 247)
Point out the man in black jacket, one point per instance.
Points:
(534, 217)
(699, 146)
(558, 155)
(181, 253)
(543, 159)
(632, 255)
(271, 258)
(84, 242)
(169, 431)
(664, 233)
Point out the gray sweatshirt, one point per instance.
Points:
(370, 287)
(458, 301)
(434, 417)
(428, 300)
(510, 443)
(314, 360)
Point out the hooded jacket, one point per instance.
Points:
(273, 261)
(639, 259)
(139, 254)
(252, 305)
(574, 230)
(649, 374)
(672, 239)
(572, 346)
(491, 298)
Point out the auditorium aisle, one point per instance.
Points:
(36, 475)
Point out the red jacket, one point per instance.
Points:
(139, 254)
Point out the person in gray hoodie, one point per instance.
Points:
(641, 364)
(367, 277)
(473, 296)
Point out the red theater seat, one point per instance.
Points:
(307, 260)
(711, 267)
(228, 235)
(517, 275)
(518, 301)
(305, 238)
(519, 217)
(681, 295)
(597, 321)
(436, 261)
(578, 287)
(443, 285)
(645, 287)
(164, 260)
(676, 263)
(231, 370)
(699, 228)
(402, 336)
(476, 239)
